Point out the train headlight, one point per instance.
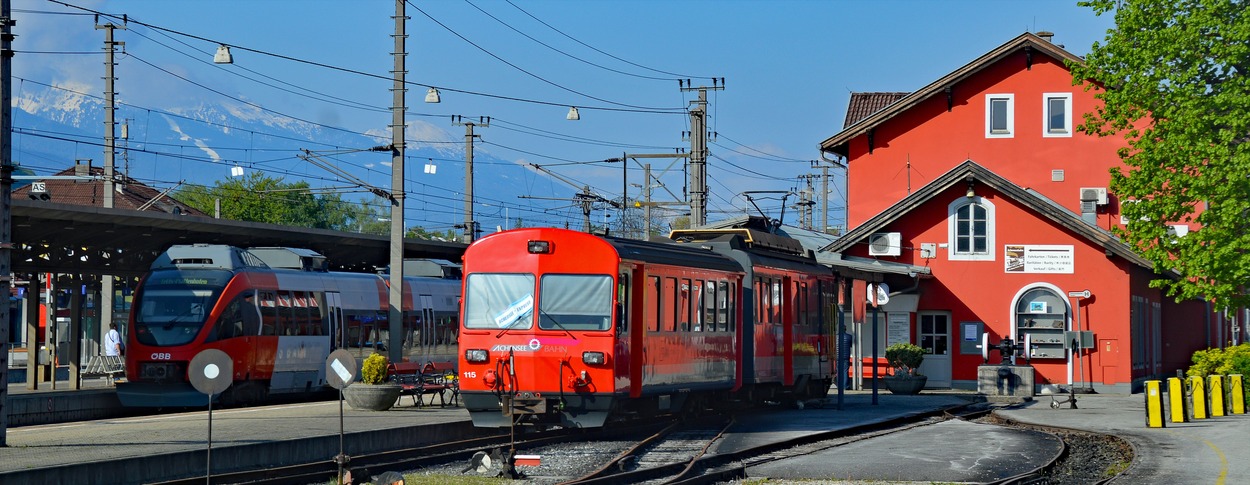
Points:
(539, 247)
(476, 356)
(594, 358)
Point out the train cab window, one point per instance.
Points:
(498, 300)
(575, 302)
(172, 316)
(731, 307)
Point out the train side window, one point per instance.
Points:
(683, 305)
(778, 303)
(651, 300)
(731, 307)
(268, 313)
(670, 304)
(722, 306)
(800, 294)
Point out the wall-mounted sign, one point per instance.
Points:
(1023, 258)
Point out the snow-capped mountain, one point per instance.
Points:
(201, 143)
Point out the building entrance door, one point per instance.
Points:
(934, 336)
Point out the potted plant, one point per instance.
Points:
(373, 392)
(905, 359)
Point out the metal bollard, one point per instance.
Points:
(1176, 400)
(1236, 394)
(1216, 391)
(1154, 404)
(1198, 397)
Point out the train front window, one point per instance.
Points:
(576, 302)
(497, 301)
(172, 316)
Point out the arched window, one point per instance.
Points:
(971, 229)
(1041, 313)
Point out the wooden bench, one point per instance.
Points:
(440, 379)
(431, 379)
(408, 376)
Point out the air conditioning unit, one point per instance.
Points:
(1097, 195)
(885, 244)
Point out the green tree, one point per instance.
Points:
(257, 197)
(1175, 79)
(419, 232)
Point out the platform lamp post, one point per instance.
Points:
(6, 205)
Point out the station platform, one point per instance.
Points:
(1203, 451)
(143, 449)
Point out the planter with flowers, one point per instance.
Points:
(906, 360)
(373, 392)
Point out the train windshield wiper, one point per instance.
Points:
(557, 323)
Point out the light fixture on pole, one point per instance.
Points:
(573, 114)
(431, 96)
(223, 55)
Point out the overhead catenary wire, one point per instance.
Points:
(566, 54)
(676, 110)
(528, 73)
(598, 50)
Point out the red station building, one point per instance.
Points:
(983, 178)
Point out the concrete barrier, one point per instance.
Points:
(1178, 408)
(1236, 394)
(1154, 404)
(1216, 391)
(1198, 397)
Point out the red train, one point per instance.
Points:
(566, 328)
(278, 313)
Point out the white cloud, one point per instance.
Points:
(173, 125)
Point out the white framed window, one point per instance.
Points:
(970, 229)
(1057, 115)
(1000, 115)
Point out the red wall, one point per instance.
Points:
(933, 141)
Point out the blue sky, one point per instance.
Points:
(789, 68)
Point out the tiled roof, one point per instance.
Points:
(864, 105)
(129, 193)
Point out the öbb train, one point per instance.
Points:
(278, 314)
(572, 329)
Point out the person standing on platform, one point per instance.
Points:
(844, 355)
(112, 342)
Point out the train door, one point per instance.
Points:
(333, 306)
(426, 337)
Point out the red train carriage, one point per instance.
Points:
(569, 328)
(278, 315)
(788, 310)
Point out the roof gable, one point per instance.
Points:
(89, 191)
(1029, 42)
(970, 171)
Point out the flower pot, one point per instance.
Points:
(371, 397)
(903, 384)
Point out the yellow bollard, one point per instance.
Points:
(1236, 394)
(1176, 400)
(1216, 391)
(1197, 397)
(1154, 405)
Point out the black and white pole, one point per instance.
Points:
(211, 372)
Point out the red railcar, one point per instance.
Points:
(278, 314)
(569, 328)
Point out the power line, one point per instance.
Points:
(325, 98)
(519, 68)
(376, 76)
(571, 56)
(597, 50)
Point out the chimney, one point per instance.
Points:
(82, 167)
(1046, 36)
